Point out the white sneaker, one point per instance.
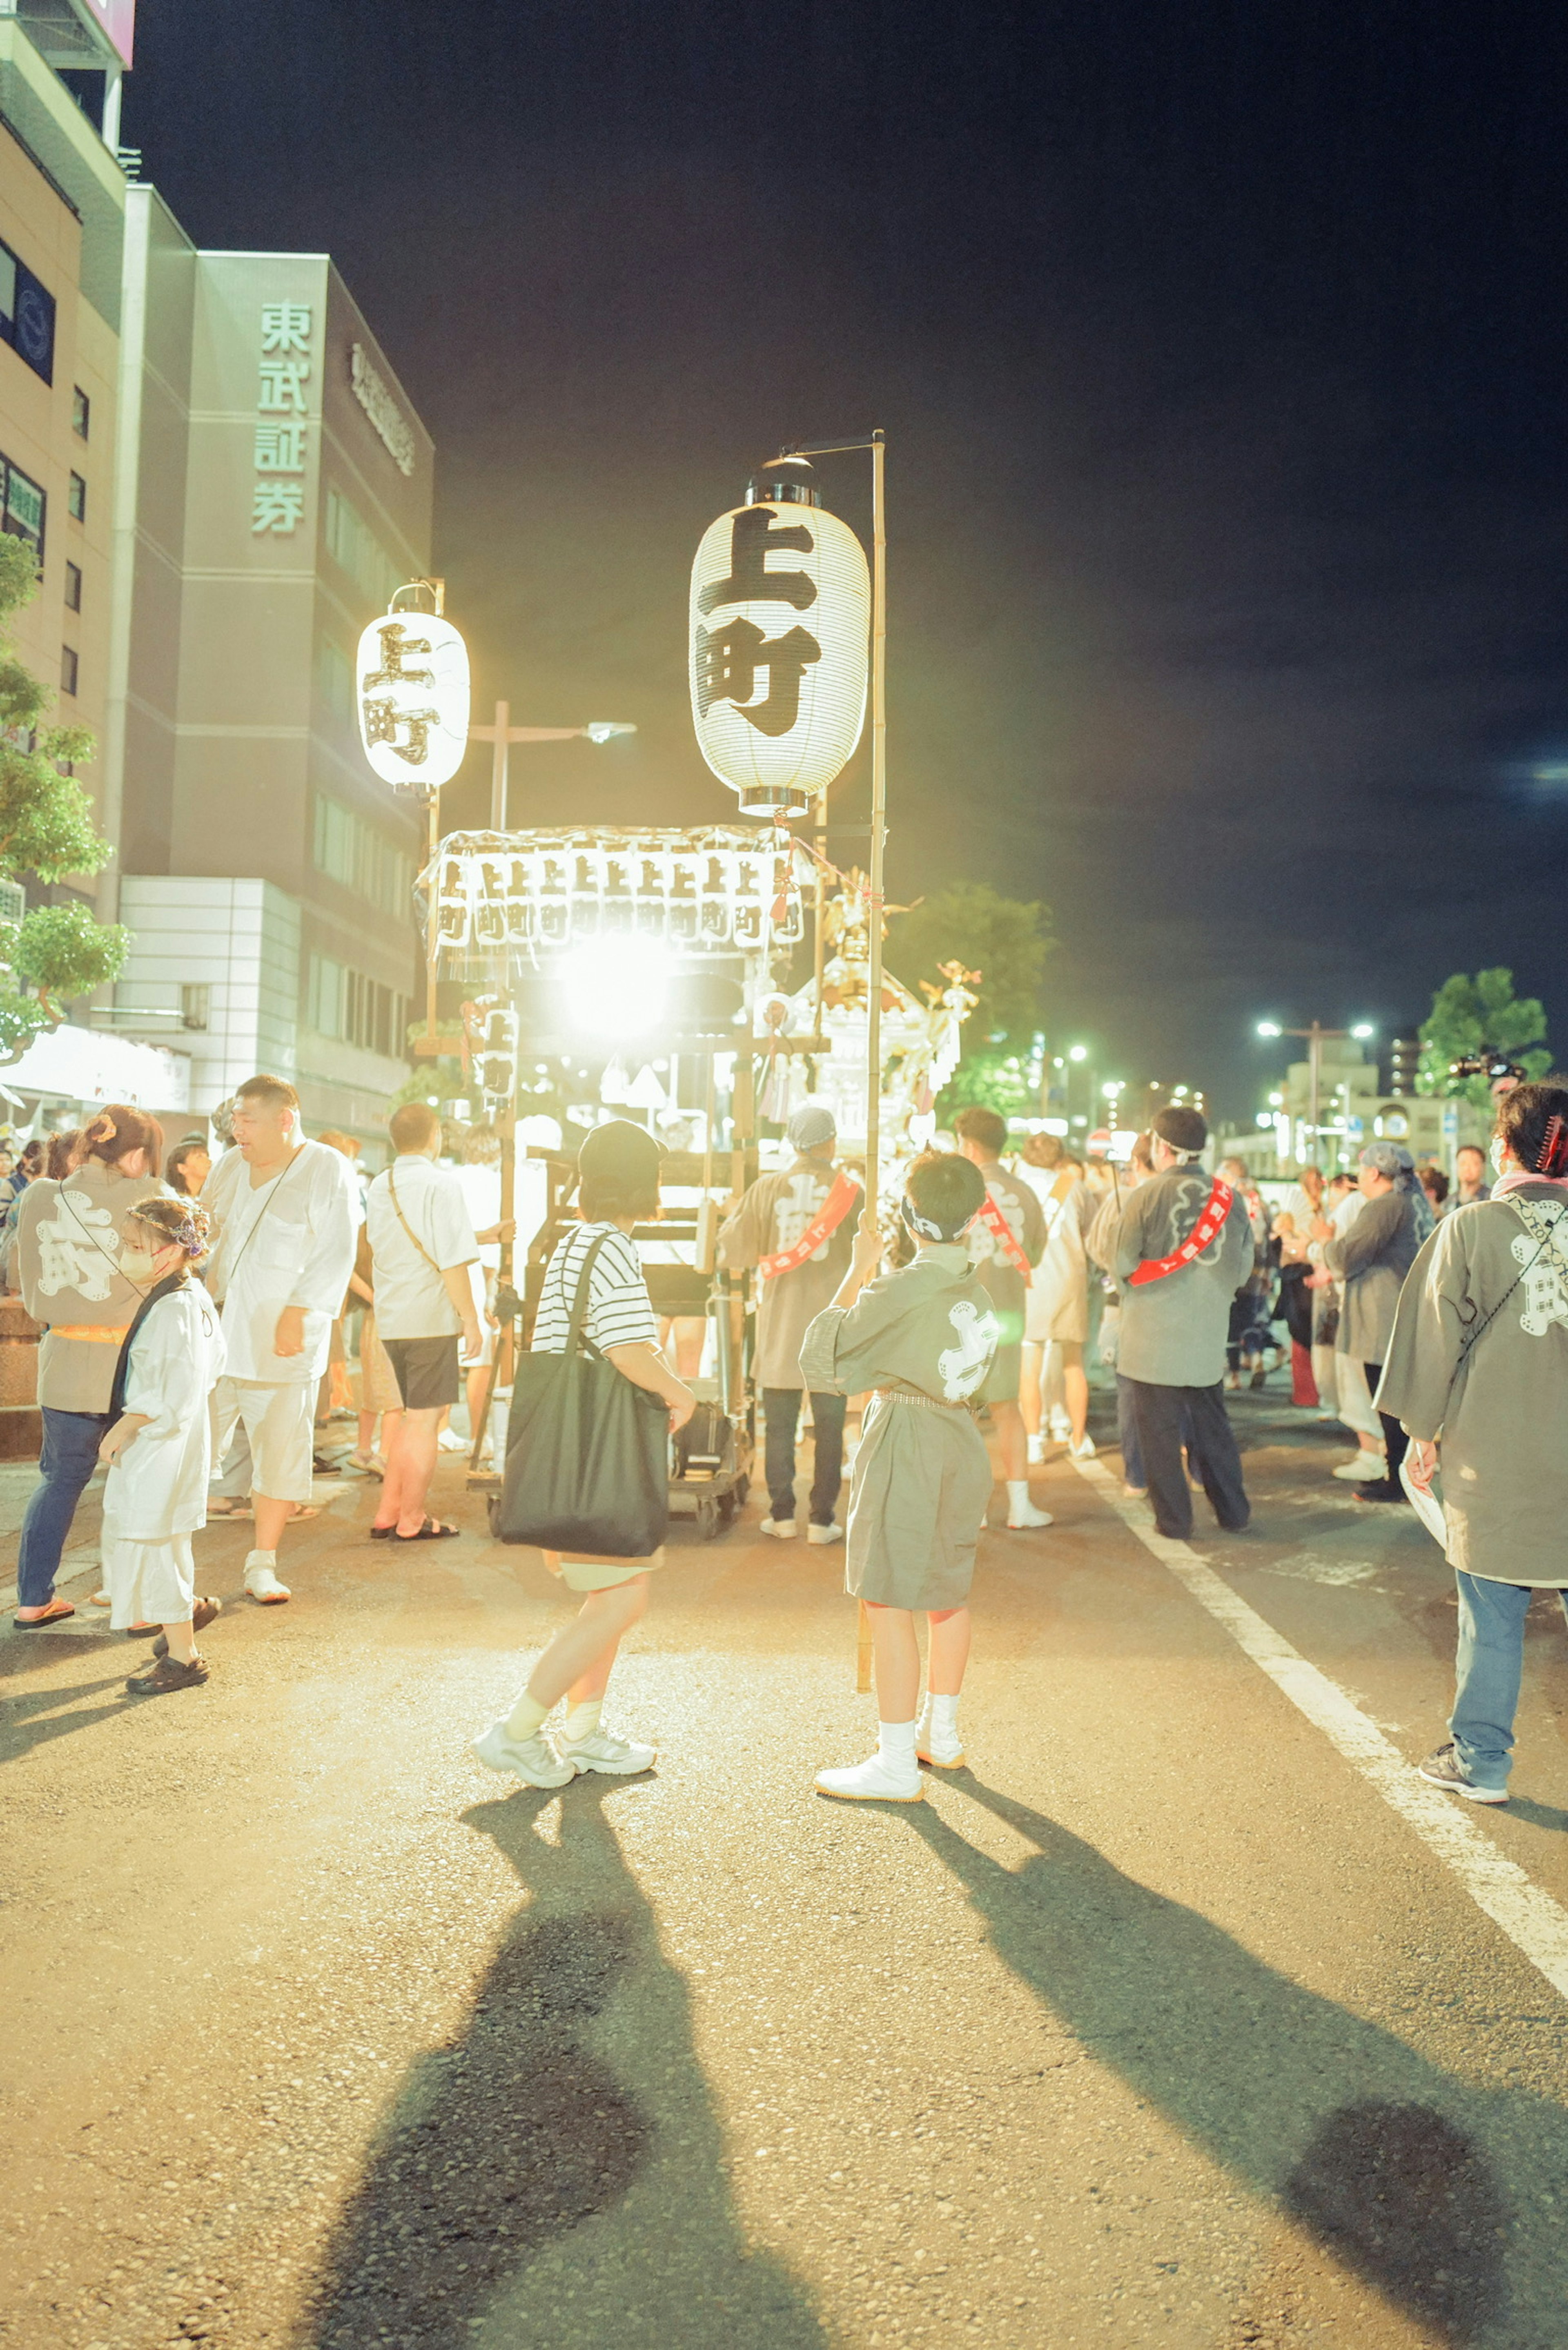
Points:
(449, 1441)
(876, 1781)
(937, 1747)
(603, 1751)
(1027, 1515)
(1084, 1452)
(825, 1534)
(781, 1529)
(1036, 1451)
(532, 1760)
(1362, 1466)
(262, 1582)
(1061, 1426)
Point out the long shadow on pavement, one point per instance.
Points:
(34, 1717)
(518, 2133)
(1390, 2161)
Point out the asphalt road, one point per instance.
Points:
(1157, 2025)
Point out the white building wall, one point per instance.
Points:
(240, 941)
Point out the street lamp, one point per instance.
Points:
(1315, 1037)
(503, 734)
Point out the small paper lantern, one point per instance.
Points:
(780, 606)
(413, 679)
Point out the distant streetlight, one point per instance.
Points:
(1315, 1037)
(1078, 1052)
(503, 734)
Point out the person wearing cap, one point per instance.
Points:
(1372, 1260)
(1179, 1250)
(798, 1229)
(617, 1172)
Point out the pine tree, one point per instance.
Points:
(1475, 1015)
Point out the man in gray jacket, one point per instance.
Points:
(1182, 1248)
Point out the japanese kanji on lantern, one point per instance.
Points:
(781, 604)
(412, 690)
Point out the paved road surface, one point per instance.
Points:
(1159, 2024)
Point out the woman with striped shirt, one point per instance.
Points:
(617, 1172)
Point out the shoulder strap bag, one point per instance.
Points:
(398, 1212)
(587, 1452)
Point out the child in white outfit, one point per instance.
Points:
(159, 1443)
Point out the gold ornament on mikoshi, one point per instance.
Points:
(781, 609)
(411, 688)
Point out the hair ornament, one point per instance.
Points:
(1552, 1158)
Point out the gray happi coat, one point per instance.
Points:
(1173, 1331)
(924, 1337)
(1502, 1416)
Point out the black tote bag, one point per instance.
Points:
(588, 1453)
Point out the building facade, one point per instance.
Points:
(275, 486)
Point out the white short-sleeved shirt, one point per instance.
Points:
(619, 1311)
(411, 1295)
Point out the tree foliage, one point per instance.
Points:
(1471, 1016)
(1005, 938)
(46, 828)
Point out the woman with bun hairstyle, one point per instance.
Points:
(617, 1172)
(159, 1442)
(1477, 1374)
(66, 1265)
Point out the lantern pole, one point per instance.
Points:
(878, 444)
(878, 820)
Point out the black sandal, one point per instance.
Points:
(432, 1530)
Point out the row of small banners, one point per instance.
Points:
(711, 891)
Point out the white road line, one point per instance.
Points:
(1535, 1923)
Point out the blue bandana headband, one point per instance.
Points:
(925, 1226)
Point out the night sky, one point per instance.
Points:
(1222, 354)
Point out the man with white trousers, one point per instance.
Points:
(285, 1217)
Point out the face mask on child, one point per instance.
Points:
(137, 1266)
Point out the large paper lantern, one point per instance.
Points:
(781, 605)
(412, 676)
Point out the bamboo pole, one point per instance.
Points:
(879, 845)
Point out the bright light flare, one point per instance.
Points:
(1078, 1052)
(616, 988)
(605, 730)
(1362, 1030)
(1268, 1028)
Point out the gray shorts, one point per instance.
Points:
(425, 1370)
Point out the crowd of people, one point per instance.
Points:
(193, 1311)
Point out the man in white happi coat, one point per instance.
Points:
(285, 1218)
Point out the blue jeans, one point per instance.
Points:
(70, 1456)
(1487, 1673)
(781, 1405)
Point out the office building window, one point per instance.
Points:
(23, 511)
(82, 412)
(334, 681)
(77, 500)
(353, 852)
(68, 670)
(73, 586)
(353, 545)
(345, 1006)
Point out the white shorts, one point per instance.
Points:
(148, 1582)
(280, 1427)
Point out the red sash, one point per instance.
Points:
(1216, 1208)
(996, 1223)
(829, 1216)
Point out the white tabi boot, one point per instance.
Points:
(937, 1739)
(891, 1776)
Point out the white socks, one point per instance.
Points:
(525, 1717)
(260, 1558)
(582, 1720)
(895, 1743)
(1017, 1495)
(943, 1714)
